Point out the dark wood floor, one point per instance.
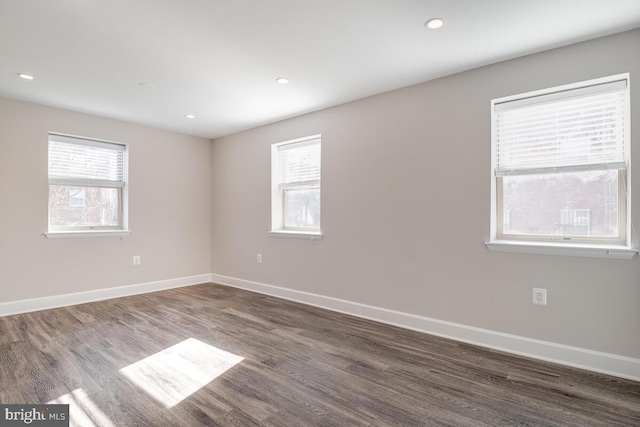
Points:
(151, 360)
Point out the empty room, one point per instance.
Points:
(320, 213)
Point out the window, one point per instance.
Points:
(295, 186)
(575, 222)
(560, 165)
(87, 185)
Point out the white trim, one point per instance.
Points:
(561, 169)
(89, 142)
(574, 90)
(84, 234)
(580, 250)
(308, 235)
(497, 245)
(55, 301)
(77, 182)
(278, 188)
(123, 223)
(310, 139)
(605, 363)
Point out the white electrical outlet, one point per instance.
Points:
(540, 296)
(259, 259)
(136, 260)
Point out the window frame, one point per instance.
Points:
(278, 192)
(592, 246)
(121, 229)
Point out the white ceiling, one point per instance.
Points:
(219, 59)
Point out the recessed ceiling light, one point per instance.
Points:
(282, 80)
(144, 85)
(25, 76)
(434, 23)
(190, 116)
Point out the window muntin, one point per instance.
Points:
(296, 185)
(561, 164)
(87, 184)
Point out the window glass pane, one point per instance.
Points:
(561, 204)
(83, 206)
(302, 208)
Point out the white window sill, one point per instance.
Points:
(565, 249)
(85, 234)
(308, 235)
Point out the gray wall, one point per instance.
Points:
(405, 209)
(169, 198)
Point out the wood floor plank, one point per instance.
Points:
(272, 362)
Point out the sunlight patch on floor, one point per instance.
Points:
(82, 411)
(175, 373)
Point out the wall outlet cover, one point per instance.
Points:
(540, 296)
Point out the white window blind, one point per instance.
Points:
(76, 161)
(300, 163)
(570, 130)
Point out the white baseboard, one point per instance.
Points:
(605, 363)
(55, 301)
